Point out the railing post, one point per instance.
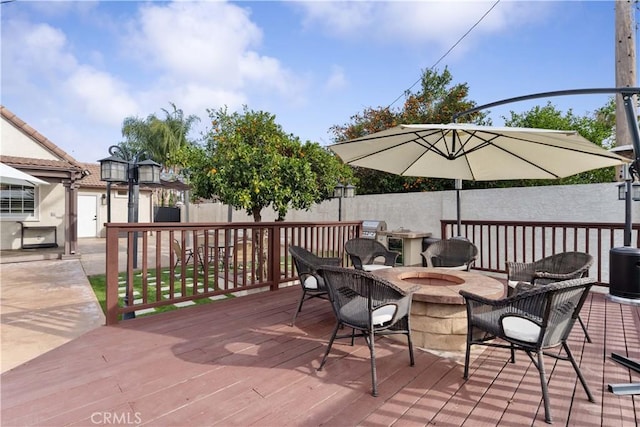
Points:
(275, 269)
(112, 275)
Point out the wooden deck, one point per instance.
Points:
(238, 362)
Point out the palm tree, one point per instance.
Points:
(160, 139)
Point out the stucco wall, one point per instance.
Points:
(423, 211)
(15, 143)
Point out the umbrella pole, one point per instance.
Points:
(458, 187)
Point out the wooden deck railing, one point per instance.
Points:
(526, 241)
(235, 258)
(229, 259)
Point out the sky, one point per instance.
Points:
(74, 70)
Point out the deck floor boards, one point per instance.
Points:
(239, 362)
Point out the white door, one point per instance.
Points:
(87, 216)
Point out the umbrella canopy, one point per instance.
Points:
(9, 175)
(476, 153)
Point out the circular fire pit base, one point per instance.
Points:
(438, 312)
(439, 326)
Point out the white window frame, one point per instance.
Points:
(21, 216)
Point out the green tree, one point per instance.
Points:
(436, 102)
(250, 163)
(597, 127)
(161, 139)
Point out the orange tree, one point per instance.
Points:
(250, 163)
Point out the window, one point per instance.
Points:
(18, 201)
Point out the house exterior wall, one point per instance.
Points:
(423, 211)
(51, 206)
(16, 143)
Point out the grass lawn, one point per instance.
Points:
(99, 285)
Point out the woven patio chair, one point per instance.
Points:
(311, 282)
(363, 253)
(533, 320)
(367, 304)
(554, 268)
(454, 254)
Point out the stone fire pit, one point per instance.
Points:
(438, 313)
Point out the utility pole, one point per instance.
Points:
(626, 64)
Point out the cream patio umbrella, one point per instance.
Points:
(476, 153)
(9, 175)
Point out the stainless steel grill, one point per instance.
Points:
(372, 228)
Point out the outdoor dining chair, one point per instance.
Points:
(364, 252)
(454, 254)
(533, 320)
(554, 268)
(179, 255)
(311, 282)
(368, 304)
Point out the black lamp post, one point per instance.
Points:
(628, 191)
(122, 167)
(635, 191)
(341, 192)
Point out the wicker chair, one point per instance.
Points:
(312, 283)
(554, 268)
(363, 253)
(368, 304)
(455, 254)
(533, 320)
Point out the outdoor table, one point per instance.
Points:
(220, 251)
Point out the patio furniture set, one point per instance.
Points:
(372, 299)
(217, 249)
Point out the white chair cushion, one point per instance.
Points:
(458, 267)
(311, 282)
(374, 267)
(519, 328)
(512, 283)
(383, 314)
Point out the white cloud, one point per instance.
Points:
(416, 22)
(209, 43)
(103, 98)
(339, 18)
(337, 80)
(35, 51)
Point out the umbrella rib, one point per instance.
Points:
(528, 141)
(428, 146)
(431, 146)
(419, 139)
(488, 142)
